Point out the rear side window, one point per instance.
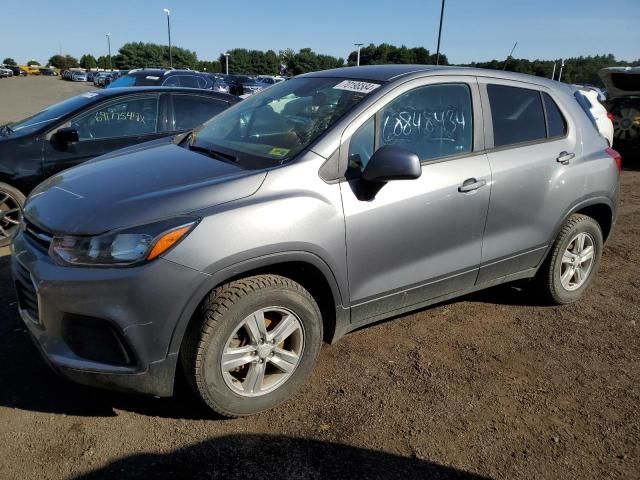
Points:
(193, 110)
(556, 124)
(517, 115)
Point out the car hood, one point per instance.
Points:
(142, 186)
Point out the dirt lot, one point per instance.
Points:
(488, 386)
(24, 96)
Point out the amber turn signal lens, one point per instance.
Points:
(166, 241)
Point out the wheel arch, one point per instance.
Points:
(303, 267)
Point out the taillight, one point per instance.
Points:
(616, 156)
(610, 117)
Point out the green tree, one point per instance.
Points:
(139, 54)
(88, 61)
(63, 62)
(9, 61)
(33, 62)
(103, 62)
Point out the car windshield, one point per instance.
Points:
(51, 114)
(277, 123)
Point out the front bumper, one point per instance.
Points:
(139, 306)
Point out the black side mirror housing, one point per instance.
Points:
(390, 162)
(66, 135)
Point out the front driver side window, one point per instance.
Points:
(133, 116)
(433, 121)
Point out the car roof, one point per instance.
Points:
(389, 73)
(112, 92)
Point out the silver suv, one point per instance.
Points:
(322, 204)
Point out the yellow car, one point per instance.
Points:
(31, 69)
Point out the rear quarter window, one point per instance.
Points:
(517, 115)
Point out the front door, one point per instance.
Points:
(109, 126)
(417, 240)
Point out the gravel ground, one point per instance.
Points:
(487, 386)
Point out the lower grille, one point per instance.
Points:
(27, 296)
(37, 235)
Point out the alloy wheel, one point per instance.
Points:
(263, 352)
(10, 216)
(577, 261)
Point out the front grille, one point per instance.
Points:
(27, 296)
(37, 235)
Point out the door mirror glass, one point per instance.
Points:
(66, 135)
(392, 163)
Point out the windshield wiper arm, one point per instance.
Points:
(214, 154)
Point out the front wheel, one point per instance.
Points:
(254, 344)
(11, 203)
(573, 261)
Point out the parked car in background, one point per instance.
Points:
(17, 71)
(243, 85)
(48, 72)
(5, 72)
(163, 77)
(623, 101)
(31, 69)
(89, 125)
(320, 205)
(270, 79)
(90, 76)
(218, 83)
(102, 79)
(602, 119)
(79, 76)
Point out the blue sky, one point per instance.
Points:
(473, 30)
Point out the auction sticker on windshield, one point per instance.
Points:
(356, 86)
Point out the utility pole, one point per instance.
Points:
(509, 56)
(109, 45)
(439, 34)
(561, 68)
(166, 10)
(359, 45)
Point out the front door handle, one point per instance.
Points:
(471, 184)
(565, 157)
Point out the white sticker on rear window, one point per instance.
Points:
(151, 77)
(355, 86)
(90, 94)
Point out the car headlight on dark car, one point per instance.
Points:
(127, 247)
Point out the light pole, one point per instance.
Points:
(359, 45)
(561, 68)
(109, 45)
(226, 60)
(439, 34)
(166, 10)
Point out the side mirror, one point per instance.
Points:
(66, 135)
(392, 163)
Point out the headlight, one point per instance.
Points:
(126, 247)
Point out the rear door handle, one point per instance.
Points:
(565, 157)
(471, 184)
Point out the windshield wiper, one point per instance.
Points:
(214, 154)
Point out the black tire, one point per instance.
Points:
(548, 282)
(9, 196)
(218, 318)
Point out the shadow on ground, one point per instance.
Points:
(274, 457)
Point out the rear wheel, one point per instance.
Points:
(573, 261)
(254, 344)
(11, 203)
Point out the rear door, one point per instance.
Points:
(531, 145)
(112, 124)
(416, 240)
